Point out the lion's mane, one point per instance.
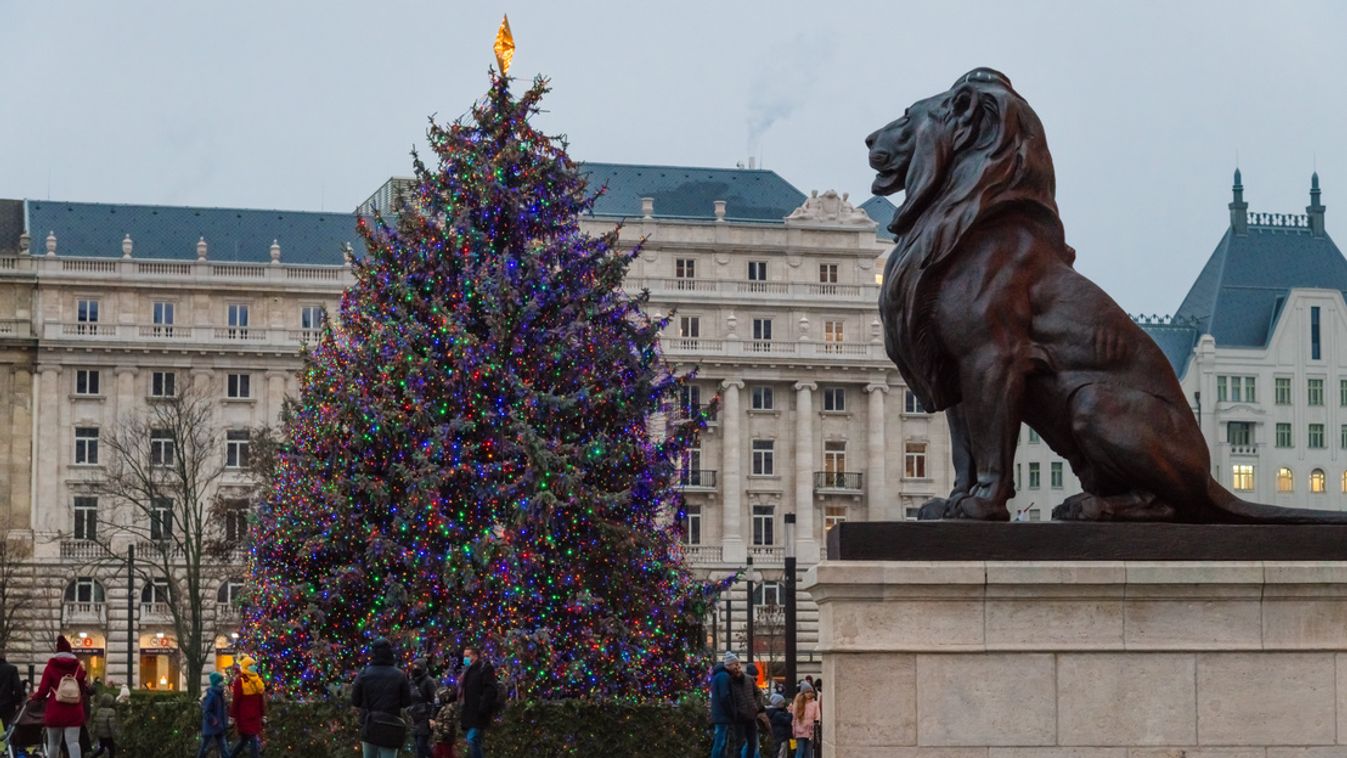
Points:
(988, 157)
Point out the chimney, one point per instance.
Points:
(647, 207)
(1239, 210)
(720, 210)
(1315, 210)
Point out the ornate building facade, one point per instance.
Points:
(107, 309)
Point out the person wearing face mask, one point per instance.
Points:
(478, 696)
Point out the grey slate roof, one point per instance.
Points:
(11, 225)
(1176, 341)
(1239, 293)
(881, 211)
(95, 230)
(690, 193)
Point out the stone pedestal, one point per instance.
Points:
(1101, 659)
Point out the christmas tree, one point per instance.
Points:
(473, 457)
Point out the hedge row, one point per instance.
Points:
(170, 728)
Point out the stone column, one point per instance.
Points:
(806, 543)
(124, 399)
(877, 505)
(731, 476)
(275, 397)
(50, 453)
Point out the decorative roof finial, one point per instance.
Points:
(275, 252)
(1239, 179)
(126, 246)
(51, 243)
(201, 249)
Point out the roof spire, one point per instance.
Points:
(1239, 210)
(1315, 210)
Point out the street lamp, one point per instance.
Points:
(790, 604)
(751, 576)
(729, 619)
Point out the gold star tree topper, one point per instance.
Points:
(504, 46)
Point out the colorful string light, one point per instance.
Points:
(472, 457)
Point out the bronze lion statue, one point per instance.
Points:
(987, 320)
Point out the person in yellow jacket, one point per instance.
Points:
(248, 707)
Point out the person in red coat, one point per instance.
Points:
(64, 712)
(247, 708)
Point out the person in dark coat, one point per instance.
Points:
(422, 708)
(64, 714)
(477, 693)
(778, 715)
(722, 704)
(214, 722)
(248, 707)
(746, 699)
(11, 691)
(381, 688)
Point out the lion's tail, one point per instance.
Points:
(1230, 509)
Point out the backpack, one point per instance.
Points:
(68, 691)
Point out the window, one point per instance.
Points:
(911, 404)
(764, 463)
(238, 386)
(86, 316)
(833, 515)
(156, 591)
(1055, 474)
(689, 401)
(1282, 388)
(163, 384)
(762, 334)
(1318, 482)
(1284, 436)
(1342, 392)
(1316, 437)
(693, 532)
(1316, 392)
(311, 317)
(690, 469)
(86, 518)
(763, 525)
(685, 268)
(689, 329)
(1315, 352)
(827, 273)
(1035, 478)
(1342, 442)
(1236, 389)
(235, 521)
(161, 519)
(757, 276)
(161, 313)
(1034, 439)
(834, 399)
(87, 381)
(761, 398)
(768, 593)
(230, 593)
(1239, 433)
(237, 444)
(86, 445)
(834, 461)
(1018, 468)
(84, 589)
(238, 321)
(1286, 481)
(914, 460)
(162, 447)
(1241, 477)
(833, 336)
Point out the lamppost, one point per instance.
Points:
(790, 604)
(750, 575)
(729, 617)
(130, 615)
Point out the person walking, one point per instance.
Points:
(722, 704)
(214, 721)
(445, 723)
(381, 691)
(746, 709)
(62, 689)
(248, 707)
(778, 715)
(805, 715)
(479, 696)
(11, 692)
(106, 727)
(422, 708)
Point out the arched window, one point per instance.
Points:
(230, 592)
(157, 591)
(84, 589)
(1286, 481)
(1318, 482)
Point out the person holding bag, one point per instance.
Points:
(381, 692)
(63, 688)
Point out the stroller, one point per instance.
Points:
(26, 735)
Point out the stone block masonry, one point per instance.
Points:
(1095, 659)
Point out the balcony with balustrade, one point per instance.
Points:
(753, 290)
(767, 555)
(697, 480)
(739, 348)
(155, 613)
(83, 550)
(703, 555)
(84, 613)
(845, 482)
(227, 612)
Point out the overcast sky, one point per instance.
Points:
(309, 105)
